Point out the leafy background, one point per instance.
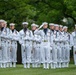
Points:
(38, 11)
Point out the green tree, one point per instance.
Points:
(38, 11)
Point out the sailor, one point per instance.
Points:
(14, 35)
(35, 47)
(61, 34)
(4, 38)
(67, 47)
(56, 46)
(45, 45)
(74, 44)
(26, 44)
(52, 29)
(0, 45)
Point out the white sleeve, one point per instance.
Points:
(38, 38)
(16, 36)
(0, 41)
(71, 40)
(21, 41)
(37, 31)
(31, 36)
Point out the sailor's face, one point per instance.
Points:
(2, 24)
(5, 25)
(52, 27)
(75, 27)
(25, 26)
(56, 28)
(61, 29)
(12, 27)
(34, 27)
(45, 26)
(66, 29)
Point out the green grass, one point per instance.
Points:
(38, 71)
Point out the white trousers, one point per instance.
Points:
(14, 52)
(54, 54)
(26, 54)
(4, 52)
(67, 53)
(59, 54)
(74, 53)
(0, 55)
(8, 52)
(45, 53)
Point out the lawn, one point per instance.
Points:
(38, 71)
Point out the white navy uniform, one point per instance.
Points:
(26, 46)
(13, 50)
(0, 51)
(74, 45)
(56, 48)
(51, 47)
(66, 54)
(4, 38)
(61, 49)
(45, 48)
(36, 50)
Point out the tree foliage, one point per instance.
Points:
(38, 11)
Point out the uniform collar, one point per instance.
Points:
(13, 30)
(2, 28)
(45, 30)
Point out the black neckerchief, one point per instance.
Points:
(56, 33)
(52, 30)
(13, 31)
(25, 29)
(2, 28)
(45, 31)
(57, 30)
(33, 31)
